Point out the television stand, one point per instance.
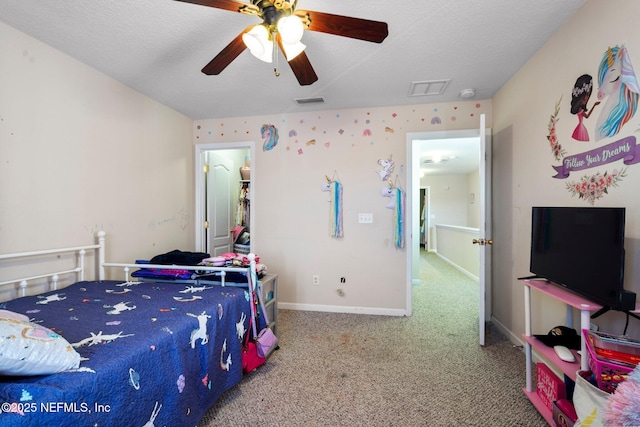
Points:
(534, 277)
(546, 353)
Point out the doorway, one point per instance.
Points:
(218, 184)
(413, 209)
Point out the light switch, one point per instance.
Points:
(365, 218)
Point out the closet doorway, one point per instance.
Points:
(218, 183)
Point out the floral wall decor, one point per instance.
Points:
(607, 141)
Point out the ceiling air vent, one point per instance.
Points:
(306, 101)
(428, 87)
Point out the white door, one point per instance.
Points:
(237, 152)
(484, 241)
(219, 209)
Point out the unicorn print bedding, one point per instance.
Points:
(149, 353)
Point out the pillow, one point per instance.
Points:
(27, 348)
(6, 314)
(161, 273)
(216, 261)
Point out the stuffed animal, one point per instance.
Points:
(623, 407)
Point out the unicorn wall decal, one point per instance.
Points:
(618, 82)
(270, 135)
(387, 168)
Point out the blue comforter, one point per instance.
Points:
(151, 352)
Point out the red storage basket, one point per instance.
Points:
(607, 374)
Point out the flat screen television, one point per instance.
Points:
(582, 249)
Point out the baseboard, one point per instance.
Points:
(342, 309)
(519, 342)
(457, 267)
(516, 340)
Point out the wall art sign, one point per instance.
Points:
(612, 145)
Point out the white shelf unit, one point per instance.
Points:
(268, 288)
(546, 353)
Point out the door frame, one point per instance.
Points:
(413, 203)
(199, 178)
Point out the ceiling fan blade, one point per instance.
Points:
(303, 70)
(231, 5)
(345, 26)
(300, 66)
(226, 55)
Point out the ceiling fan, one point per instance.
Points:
(284, 24)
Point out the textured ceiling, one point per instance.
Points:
(158, 48)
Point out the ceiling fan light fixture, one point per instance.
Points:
(258, 43)
(293, 50)
(290, 29)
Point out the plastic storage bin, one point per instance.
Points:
(241, 249)
(608, 374)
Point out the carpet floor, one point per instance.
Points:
(364, 370)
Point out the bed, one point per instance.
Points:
(150, 352)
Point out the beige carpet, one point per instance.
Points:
(362, 370)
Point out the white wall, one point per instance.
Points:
(292, 214)
(448, 198)
(455, 247)
(522, 158)
(81, 152)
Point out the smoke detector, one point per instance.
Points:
(467, 93)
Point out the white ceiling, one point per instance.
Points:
(458, 155)
(158, 48)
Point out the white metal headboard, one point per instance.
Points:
(79, 270)
(99, 249)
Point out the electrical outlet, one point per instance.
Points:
(316, 280)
